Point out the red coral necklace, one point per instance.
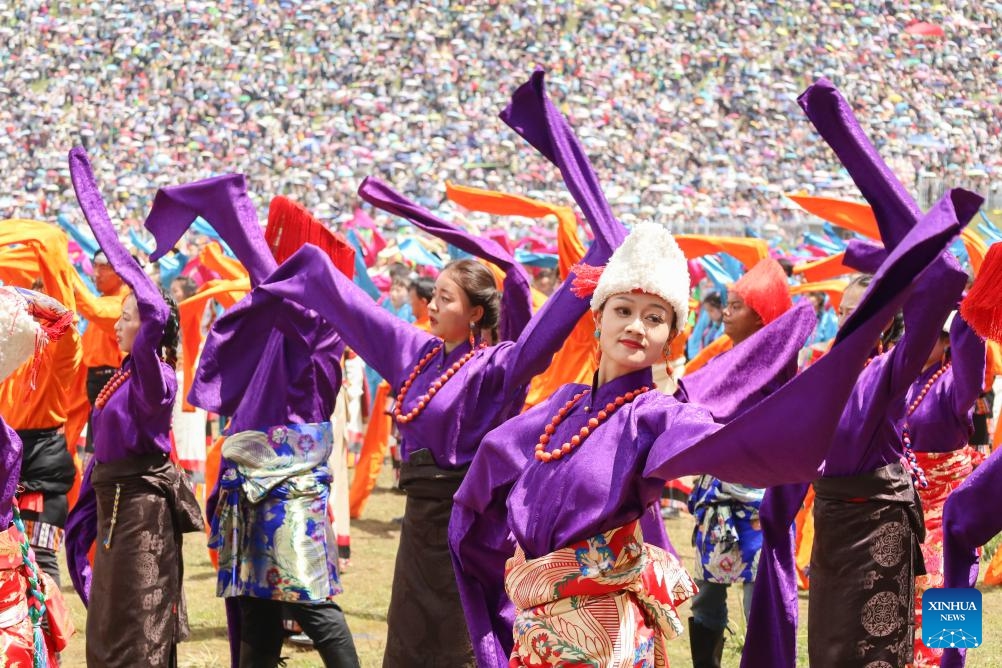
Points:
(115, 382)
(423, 400)
(544, 439)
(918, 475)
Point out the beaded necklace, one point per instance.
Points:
(423, 400)
(585, 431)
(111, 387)
(918, 475)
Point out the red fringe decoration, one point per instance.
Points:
(585, 279)
(290, 226)
(982, 307)
(53, 318)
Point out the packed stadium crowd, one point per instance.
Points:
(688, 107)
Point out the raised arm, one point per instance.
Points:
(936, 294)
(745, 450)
(152, 387)
(386, 343)
(224, 203)
(968, 357)
(516, 302)
(534, 117)
(831, 114)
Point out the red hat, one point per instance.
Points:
(765, 290)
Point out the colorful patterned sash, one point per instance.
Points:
(609, 600)
(270, 526)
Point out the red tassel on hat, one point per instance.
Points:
(290, 226)
(982, 307)
(585, 279)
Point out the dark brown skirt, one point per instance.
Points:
(867, 534)
(426, 624)
(137, 612)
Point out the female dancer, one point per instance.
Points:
(275, 368)
(133, 499)
(865, 496)
(566, 482)
(563, 485)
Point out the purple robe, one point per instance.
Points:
(10, 472)
(136, 419)
(869, 438)
(942, 421)
(267, 361)
(619, 470)
(516, 297)
(971, 518)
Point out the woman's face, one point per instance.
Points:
(177, 291)
(634, 329)
(740, 321)
(449, 310)
(715, 313)
(127, 325)
(850, 300)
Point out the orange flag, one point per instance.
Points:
(823, 269)
(228, 268)
(854, 216)
(747, 250)
(190, 312)
(993, 574)
(833, 288)
(976, 248)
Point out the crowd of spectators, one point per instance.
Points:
(687, 108)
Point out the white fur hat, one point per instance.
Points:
(649, 260)
(19, 332)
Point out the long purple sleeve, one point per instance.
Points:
(516, 300)
(535, 118)
(971, 518)
(142, 406)
(10, 472)
(968, 355)
(942, 420)
(866, 436)
(488, 389)
(136, 418)
(894, 209)
(269, 361)
(388, 344)
(741, 377)
(224, 203)
(867, 433)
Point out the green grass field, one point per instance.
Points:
(367, 595)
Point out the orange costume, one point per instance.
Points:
(36, 404)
